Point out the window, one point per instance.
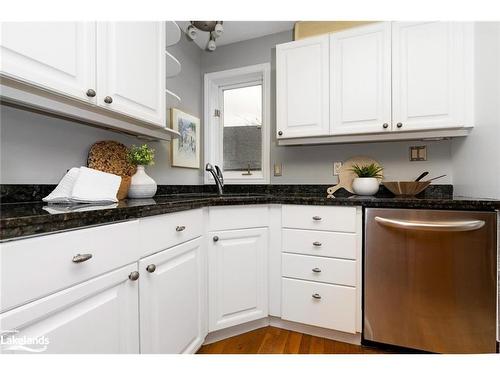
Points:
(237, 123)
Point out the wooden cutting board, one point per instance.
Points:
(346, 175)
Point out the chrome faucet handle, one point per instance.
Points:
(209, 167)
(219, 174)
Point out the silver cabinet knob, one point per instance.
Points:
(280, 133)
(90, 93)
(317, 218)
(108, 100)
(316, 270)
(79, 258)
(216, 238)
(133, 275)
(386, 125)
(317, 243)
(180, 228)
(316, 296)
(399, 125)
(151, 268)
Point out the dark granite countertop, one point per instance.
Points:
(31, 218)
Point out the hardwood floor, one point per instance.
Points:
(272, 340)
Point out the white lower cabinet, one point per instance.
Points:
(319, 304)
(237, 268)
(171, 300)
(321, 266)
(97, 316)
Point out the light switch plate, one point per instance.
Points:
(278, 169)
(337, 165)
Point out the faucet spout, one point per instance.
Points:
(217, 175)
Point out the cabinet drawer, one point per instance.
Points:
(163, 231)
(34, 267)
(335, 309)
(320, 243)
(327, 270)
(341, 219)
(238, 217)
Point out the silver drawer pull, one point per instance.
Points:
(151, 268)
(79, 258)
(317, 270)
(317, 218)
(316, 296)
(317, 243)
(180, 228)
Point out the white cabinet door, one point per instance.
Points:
(360, 73)
(131, 69)
(237, 269)
(97, 316)
(59, 56)
(431, 75)
(172, 300)
(302, 88)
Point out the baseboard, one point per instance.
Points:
(349, 338)
(273, 321)
(226, 333)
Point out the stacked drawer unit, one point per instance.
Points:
(320, 269)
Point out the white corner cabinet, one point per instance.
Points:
(167, 283)
(386, 81)
(111, 74)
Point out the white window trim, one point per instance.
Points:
(213, 139)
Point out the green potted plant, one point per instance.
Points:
(141, 185)
(368, 180)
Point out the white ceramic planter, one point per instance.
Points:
(141, 185)
(365, 185)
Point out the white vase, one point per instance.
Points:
(141, 185)
(365, 185)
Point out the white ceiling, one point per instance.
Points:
(236, 31)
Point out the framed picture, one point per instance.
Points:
(185, 149)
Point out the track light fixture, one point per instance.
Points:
(214, 28)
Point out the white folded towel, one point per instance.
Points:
(85, 185)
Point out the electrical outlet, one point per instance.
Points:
(278, 169)
(337, 165)
(418, 153)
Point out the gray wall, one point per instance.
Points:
(314, 164)
(188, 85)
(476, 158)
(38, 149)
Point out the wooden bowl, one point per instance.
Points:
(406, 188)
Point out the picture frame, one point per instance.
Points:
(185, 150)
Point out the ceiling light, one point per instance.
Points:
(191, 32)
(218, 29)
(211, 44)
(213, 28)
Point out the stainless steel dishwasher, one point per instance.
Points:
(430, 280)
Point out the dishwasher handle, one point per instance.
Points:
(437, 226)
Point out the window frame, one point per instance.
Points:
(213, 140)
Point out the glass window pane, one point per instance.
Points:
(242, 114)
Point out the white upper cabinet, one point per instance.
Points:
(131, 69)
(360, 73)
(58, 56)
(431, 80)
(387, 81)
(302, 88)
(237, 264)
(171, 300)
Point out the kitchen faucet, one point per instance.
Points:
(218, 177)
